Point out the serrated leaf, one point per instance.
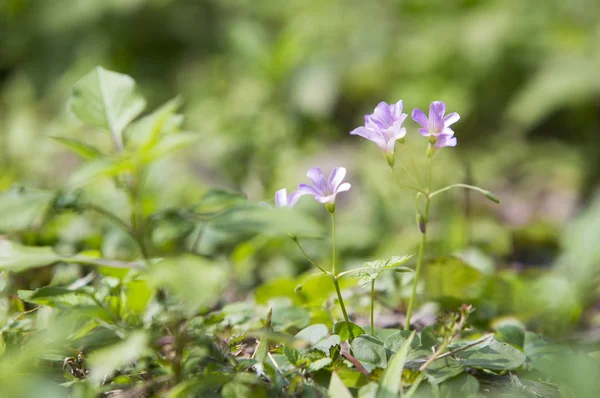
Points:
(319, 364)
(82, 149)
(391, 382)
(493, 356)
(106, 99)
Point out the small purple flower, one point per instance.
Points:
(437, 126)
(283, 200)
(384, 126)
(323, 190)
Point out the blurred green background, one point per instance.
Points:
(274, 88)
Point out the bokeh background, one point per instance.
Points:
(274, 88)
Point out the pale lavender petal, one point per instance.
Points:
(364, 132)
(396, 111)
(382, 115)
(306, 189)
(447, 132)
(436, 115)
(325, 198)
(293, 198)
(281, 199)
(424, 132)
(451, 119)
(336, 177)
(420, 117)
(318, 179)
(445, 140)
(343, 187)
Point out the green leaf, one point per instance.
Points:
(511, 334)
(391, 382)
(341, 329)
(319, 364)
(169, 144)
(16, 257)
(197, 281)
(145, 132)
(106, 99)
(443, 369)
(493, 356)
(82, 149)
(101, 168)
(108, 360)
(313, 334)
(395, 341)
(328, 342)
(22, 209)
(369, 349)
(337, 389)
(463, 385)
(137, 295)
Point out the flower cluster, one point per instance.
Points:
(384, 126)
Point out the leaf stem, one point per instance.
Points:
(343, 307)
(403, 185)
(333, 243)
(310, 260)
(373, 307)
(474, 188)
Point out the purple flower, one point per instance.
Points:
(437, 126)
(283, 200)
(323, 190)
(384, 126)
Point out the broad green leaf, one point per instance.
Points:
(144, 133)
(511, 334)
(82, 149)
(287, 315)
(369, 349)
(313, 334)
(341, 329)
(16, 257)
(197, 281)
(337, 389)
(107, 360)
(137, 295)
(493, 356)
(22, 209)
(443, 369)
(328, 342)
(319, 364)
(391, 382)
(395, 341)
(450, 277)
(106, 99)
(463, 385)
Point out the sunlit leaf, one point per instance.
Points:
(144, 133)
(337, 389)
(369, 349)
(106, 99)
(82, 149)
(391, 381)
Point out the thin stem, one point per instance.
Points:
(307, 256)
(373, 307)
(333, 243)
(112, 217)
(343, 307)
(449, 187)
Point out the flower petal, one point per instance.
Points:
(363, 132)
(451, 119)
(445, 140)
(306, 189)
(382, 115)
(293, 198)
(424, 132)
(343, 187)
(396, 111)
(436, 115)
(318, 179)
(420, 117)
(335, 178)
(281, 199)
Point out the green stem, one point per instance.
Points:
(333, 243)
(310, 260)
(373, 307)
(334, 276)
(110, 216)
(482, 191)
(341, 300)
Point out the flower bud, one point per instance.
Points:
(491, 197)
(389, 157)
